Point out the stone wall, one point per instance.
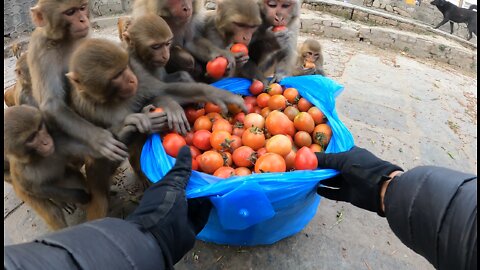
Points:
(16, 20)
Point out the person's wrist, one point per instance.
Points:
(384, 187)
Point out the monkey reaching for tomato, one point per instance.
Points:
(232, 22)
(310, 59)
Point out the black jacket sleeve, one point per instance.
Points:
(433, 211)
(92, 245)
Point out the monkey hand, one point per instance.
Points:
(107, 146)
(241, 58)
(177, 120)
(221, 98)
(282, 37)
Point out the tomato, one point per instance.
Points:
(322, 134)
(235, 143)
(304, 121)
(250, 100)
(189, 137)
(309, 64)
(316, 147)
(277, 102)
(233, 108)
(222, 124)
(291, 112)
(211, 107)
(270, 162)
(254, 119)
(210, 161)
(213, 116)
(158, 110)
(220, 140)
(192, 114)
(216, 68)
(244, 156)
(239, 47)
(227, 158)
(304, 105)
(202, 123)
(302, 138)
(279, 144)
(305, 159)
(291, 94)
(262, 151)
(290, 160)
(224, 172)
(242, 171)
(264, 112)
(274, 89)
(256, 87)
(172, 143)
(262, 100)
(239, 117)
(279, 28)
(201, 139)
(238, 129)
(194, 151)
(257, 110)
(278, 123)
(194, 165)
(253, 137)
(317, 115)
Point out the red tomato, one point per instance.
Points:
(239, 47)
(305, 159)
(239, 117)
(253, 119)
(290, 160)
(224, 172)
(235, 143)
(201, 139)
(220, 140)
(172, 143)
(210, 161)
(253, 137)
(262, 151)
(270, 162)
(256, 87)
(279, 144)
(194, 151)
(279, 28)
(194, 165)
(244, 156)
(216, 68)
(192, 114)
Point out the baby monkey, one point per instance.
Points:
(310, 59)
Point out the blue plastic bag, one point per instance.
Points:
(259, 209)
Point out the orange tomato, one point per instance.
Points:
(244, 156)
(262, 100)
(277, 102)
(220, 140)
(202, 123)
(201, 139)
(242, 171)
(253, 119)
(224, 172)
(278, 123)
(279, 144)
(304, 105)
(210, 161)
(274, 89)
(291, 94)
(304, 121)
(222, 124)
(291, 112)
(253, 137)
(322, 134)
(158, 110)
(211, 107)
(269, 163)
(316, 147)
(290, 160)
(302, 138)
(317, 115)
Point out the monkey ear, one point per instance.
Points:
(37, 16)
(73, 78)
(126, 37)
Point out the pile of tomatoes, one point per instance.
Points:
(280, 133)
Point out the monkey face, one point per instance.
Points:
(278, 12)
(125, 84)
(242, 33)
(77, 19)
(41, 142)
(160, 52)
(181, 10)
(310, 56)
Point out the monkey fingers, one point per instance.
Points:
(283, 37)
(159, 121)
(177, 120)
(111, 148)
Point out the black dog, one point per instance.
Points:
(456, 14)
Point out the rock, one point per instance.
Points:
(376, 4)
(402, 12)
(389, 8)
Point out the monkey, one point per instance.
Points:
(39, 163)
(16, 49)
(232, 22)
(21, 92)
(149, 38)
(122, 24)
(60, 26)
(181, 17)
(310, 59)
(276, 49)
(103, 91)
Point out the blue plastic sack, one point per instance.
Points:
(259, 209)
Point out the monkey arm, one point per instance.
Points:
(204, 50)
(47, 190)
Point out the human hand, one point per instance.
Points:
(360, 180)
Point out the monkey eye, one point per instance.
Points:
(31, 137)
(285, 5)
(156, 46)
(70, 12)
(309, 53)
(272, 4)
(83, 7)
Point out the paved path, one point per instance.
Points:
(406, 111)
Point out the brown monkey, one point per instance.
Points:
(16, 49)
(180, 16)
(122, 24)
(149, 39)
(276, 49)
(104, 89)
(232, 22)
(310, 59)
(21, 92)
(40, 171)
(60, 26)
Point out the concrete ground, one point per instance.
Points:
(411, 112)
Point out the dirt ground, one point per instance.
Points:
(408, 111)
